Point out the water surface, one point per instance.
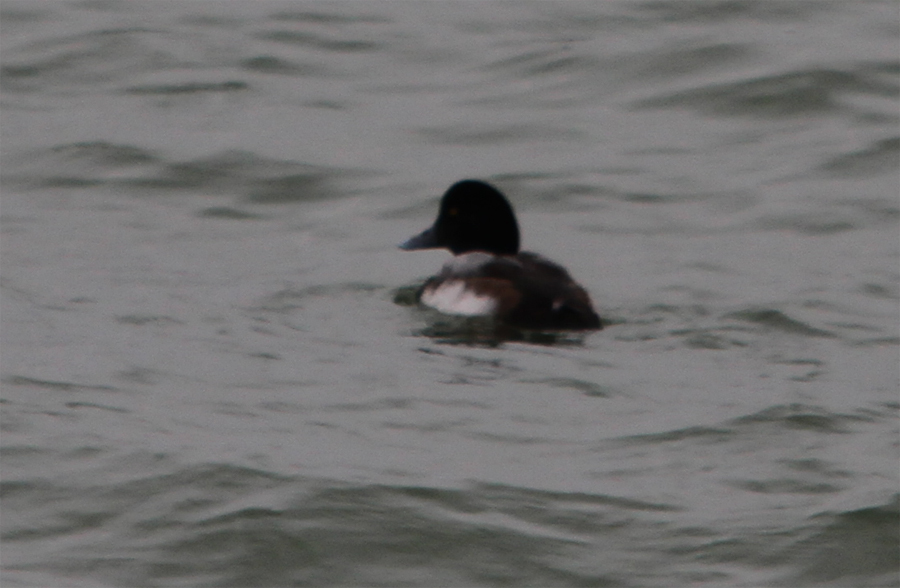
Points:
(211, 372)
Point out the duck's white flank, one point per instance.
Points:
(451, 297)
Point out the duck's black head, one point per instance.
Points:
(474, 216)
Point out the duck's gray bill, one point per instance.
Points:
(424, 240)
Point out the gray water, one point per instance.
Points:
(212, 374)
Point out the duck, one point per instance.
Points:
(488, 275)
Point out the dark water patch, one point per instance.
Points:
(882, 410)
(772, 319)
(212, 481)
(327, 18)
(450, 329)
(756, 549)
(224, 525)
(529, 177)
(476, 371)
(233, 409)
(227, 213)
(264, 355)
(56, 385)
(407, 295)
(882, 76)
(291, 299)
(878, 342)
(513, 439)
(263, 530)
(209, 20)
(75, 165)
(328, 104)
(314, 185)
(10, 489)
(651, 198)
(315, 41)
(211, 173)
(852, 548)
(817, 467)
(809, 376)
(679, 62)
(685, 322)
(258, 180)
(463, 135)
(94, 405)
(881, 157)
(103, 5)
(784, 486)
(87, 59)
(646, 198)
(707, 339)
(486, 332)
(650, 323)
(288, 407)
(13, 15)
(802, 417)
(877, 210)
(801, 362)
(793, 94)
(592, 389)
(524, 499)
(68, 182)
(103, 154)
(575, 189)
(786, 417)
(13, 76)
(493, 535)
(189, 88)
(80, 515)
(86, 504)
(20, 452)
(730, 201)
(139, 375)
(561, 77)
(85, 452)
(700, 434)
(889, 291)
(430, 427)
(815, 368)
(492, 368)
(248, 548)
(86, 164)
(392, 542)
(70, 524)
(455, 500)
(140, 320)
(558, 59)
(269, 64)
(375, 405)
(705, 11)
(848, 326)
(563, 23)
(820, 222)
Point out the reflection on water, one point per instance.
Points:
(215, 372)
